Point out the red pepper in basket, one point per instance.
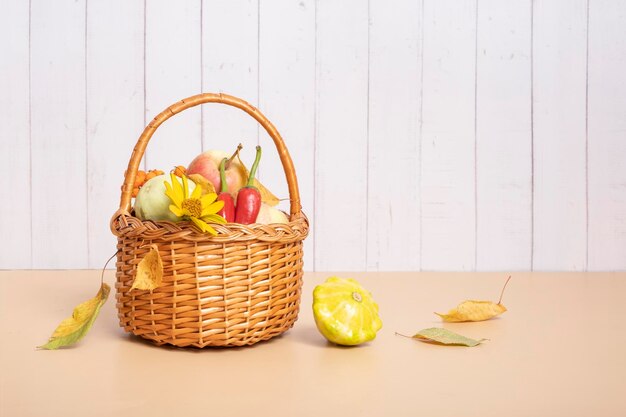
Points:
(228, 211)
(249, 197)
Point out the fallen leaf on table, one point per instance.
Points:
(149, 271)
(442, 336)
(266, 195)
(206, 185)
(475, 310)
(73, 329)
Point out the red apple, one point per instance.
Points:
(207, 164)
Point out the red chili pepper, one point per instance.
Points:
(228, 211)
(249, 197)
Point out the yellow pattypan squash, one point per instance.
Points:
(345, 312)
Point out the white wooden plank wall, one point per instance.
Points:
(393, 209)
(559, 138)
(427, 135)
(15, 218)
(287, 97)
(172, 72)
(448, 142)
(58, 147)
(606, 118)
(503, 135)
(230, 55)
(340, 205)
(115, 111)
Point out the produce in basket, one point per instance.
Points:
(345, 312)
(142, 177)
(190, 204)
(179, 171)
(269, 215)
(249, 197)
(151, 202)
(228, 211)
(207, 164)
(205, 171)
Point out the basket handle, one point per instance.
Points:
(142, 143)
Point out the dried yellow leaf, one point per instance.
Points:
(473, 310)
(266, 195)
(206, 185)
(73, 329)
(149, 271)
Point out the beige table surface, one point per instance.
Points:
(560, 350)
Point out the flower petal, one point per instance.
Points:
(214, 218)
(217, 206)
(197, 192)
(177, 189)
(185, 187)
(212, 208)
(201, 225)
(172, 196)
(177, 211)
(211, 230)
(208, 199)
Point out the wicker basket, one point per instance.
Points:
(237, 288)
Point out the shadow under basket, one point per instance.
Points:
(238, 288)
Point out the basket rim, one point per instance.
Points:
(125, 225)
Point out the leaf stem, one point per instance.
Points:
(503, 288)
(403, 335)
(105, 265)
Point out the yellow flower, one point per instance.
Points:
(200, 209)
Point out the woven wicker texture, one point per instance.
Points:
(237, 288)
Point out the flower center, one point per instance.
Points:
(193, 207)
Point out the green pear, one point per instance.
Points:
(151, 202)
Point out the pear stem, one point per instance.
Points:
(236, 153)
(503, 288)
